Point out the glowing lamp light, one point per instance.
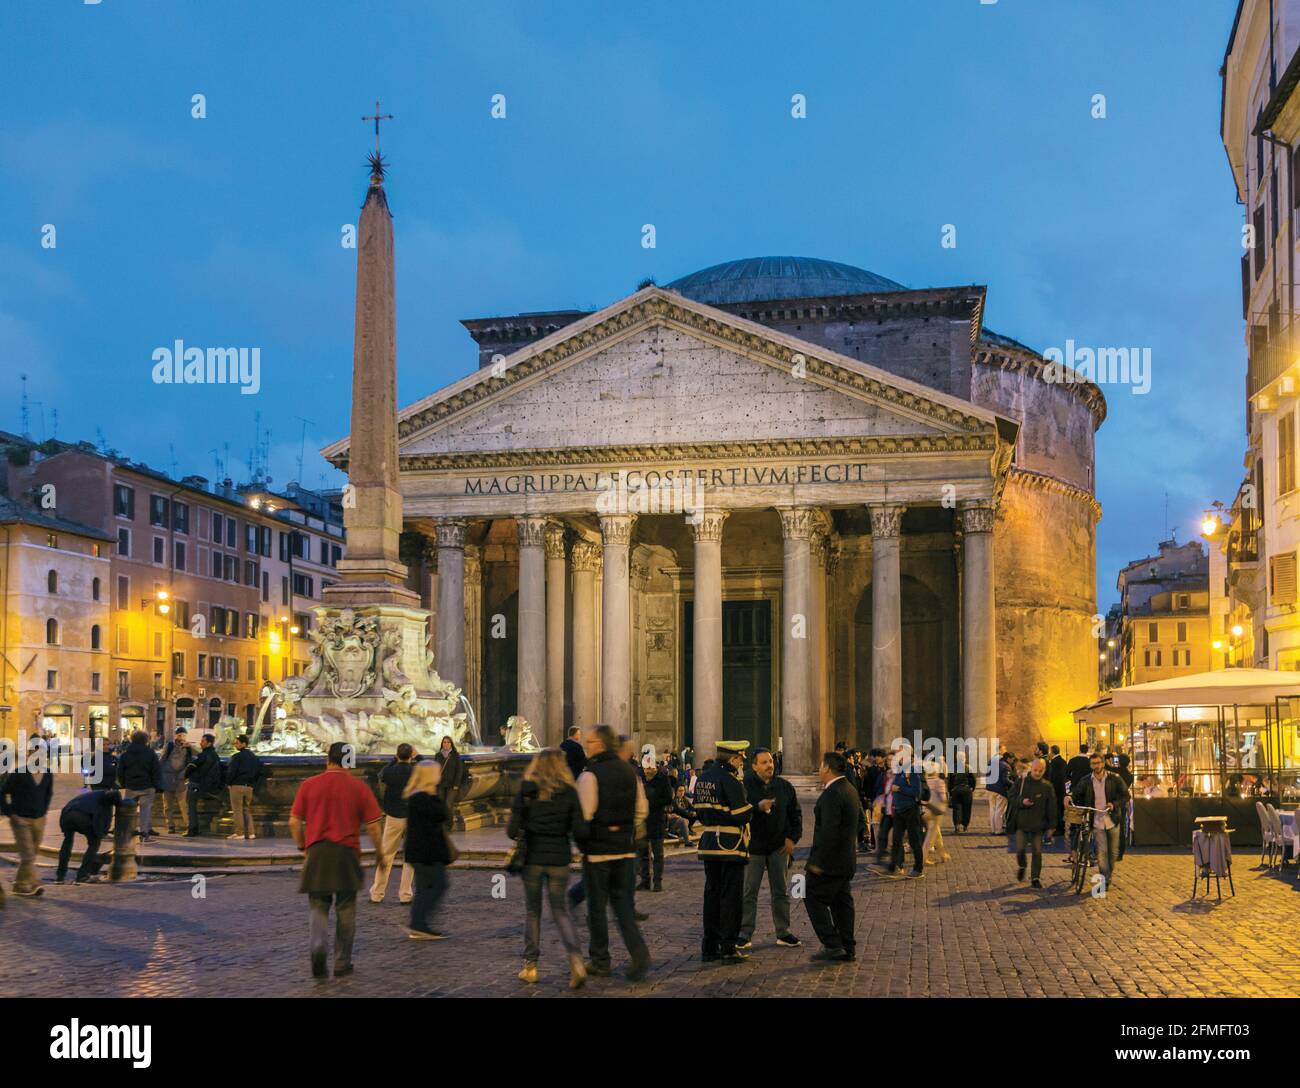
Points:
(255, 503)
(1237, 630)
(1210, 525)
(1111, 643)
(1102, 657)
(1217, 644)
(162, 595)
(163, 609)
(293, 630)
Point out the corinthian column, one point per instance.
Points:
(797, 729)
(823, 727)
(531, 648)
(586, 564)
(706, 626)
(449, 652)
(555, 600)
(886, 626)
(616, 624)
(978, 622)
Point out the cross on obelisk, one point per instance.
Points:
(376, 119)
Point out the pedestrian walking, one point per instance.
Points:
(138, 774)
(574, 753)
(933, 810)
(392, 784)
(25, 798)
(832, 863)
(905, 790)
(998, 784)
(89, 814)
(427, 847)
(328, 814)
(725, 814)
(774, 830)
(1032, 811)
(203, 779)
(545, 818)
(176, 758)
(1107, 792)
(242, 774)
(614, 808)
(961, 793)
(1056, 774)
(659, 799)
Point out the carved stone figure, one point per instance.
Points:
(519, 735)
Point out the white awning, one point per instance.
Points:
(1221, 687)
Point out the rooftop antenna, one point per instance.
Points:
(302, 441)
(55, 433)
(171, 453)
(26, 416)
(100, 440)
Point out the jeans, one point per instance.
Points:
(555, 878)
(1034, 839)
(679, 828)
(961, 802)
(882, 836)
(173, 803)
(1107, 840)
(345, 925)
(908, 822)
(192, 795)
(394, 832)
(73, 824)
(643, 854)
(144, 800)
(241, 810)
(28, 832)
(776, 865)
(610, 884)
(724, 904)
(829, 903)
(430, 884)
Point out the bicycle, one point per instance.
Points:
(1079, 821)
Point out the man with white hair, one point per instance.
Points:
(659, 799)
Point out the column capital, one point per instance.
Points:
(554, 540)
(707, 524)
(977, 516)
(886, 519)
(617, 528)
(799, 522)
(450, 532)
(531, 530)
(585, 556)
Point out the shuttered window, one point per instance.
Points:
(1281, 578)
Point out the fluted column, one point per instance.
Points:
(823, 727)
(531, 646)
(706, 626)
(886, 626)
(616, 623)
(798, 735)
(978, 622)
(586, 563)
(474, 627)
(555, 599)
(449, 657)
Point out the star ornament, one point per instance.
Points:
(378, 165)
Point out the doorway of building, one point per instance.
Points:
(746, 674)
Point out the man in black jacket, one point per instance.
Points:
(25, 798)
(90, 813)
(138, 775)
(1104, 790)
(1031, 810)
(574, 753)
(392, 782)
(1077, 769)
(1056, 775)
(776, 827)
(659, 799)
(243, 773)
(725, 815)
(832, 863)
(204, 780)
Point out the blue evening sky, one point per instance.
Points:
(225, 231)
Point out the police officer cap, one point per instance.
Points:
(733, 747)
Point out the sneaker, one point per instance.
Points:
(894, 874)
(789, 940)
(829, 955)
(915, 874)
(236, 835)
(250, 837)
(744, 945)
(32, 891)
(529, 974)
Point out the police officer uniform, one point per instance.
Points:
(724, 812)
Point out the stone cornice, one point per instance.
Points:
(1040, 481)
(1014, 359)
(776, 448)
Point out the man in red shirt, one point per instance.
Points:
(326, 822)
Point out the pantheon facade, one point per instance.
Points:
(780, 499)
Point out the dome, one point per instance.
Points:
(760, 279)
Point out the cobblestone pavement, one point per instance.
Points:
(966, 929)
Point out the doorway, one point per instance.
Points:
(746, 674)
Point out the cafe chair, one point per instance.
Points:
(1268, 840)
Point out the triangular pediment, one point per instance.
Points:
(658, 370)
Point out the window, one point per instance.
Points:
(181, 613)
(1185, 601)
(203, 666)
(251, 664)
(264, 541)
(94, 681)
(123, 684)
(178, 663)
(1286, 453)
(52, 581)
(51, 632)
(159, 550)
(178, 555)
(157, 644)
(231, 533)
(123, 640)
(94, 589)
(181, 517)
(324, 552)
(1281, 578)
(336, 553)
(124, 502)
(284, 547)
(218, 667)
(250, 627)
(250, 573)
(266, 586)
(284, 590)
(216, 564)
(159, 510)
(51, 540)
(232, 668)
(1153, 632)
(304, 586)
(96, 637)
(1261, 243)
(1157, 659)
(124, 542)
(218, 527)
(231, 568)
(157, 685)
(1182, 632)
(123, 591)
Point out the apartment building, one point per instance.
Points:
(1164, 615)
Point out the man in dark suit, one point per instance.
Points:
(832, 862)
(574, 754)
(1056, 775)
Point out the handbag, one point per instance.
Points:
(517, 855)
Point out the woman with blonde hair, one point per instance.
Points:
(545, 816)
(936, 778)
(426, 848)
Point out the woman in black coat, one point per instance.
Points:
(961, 793)
(426, 848)
(453, 772)
(545, 817)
